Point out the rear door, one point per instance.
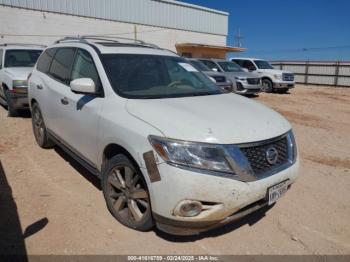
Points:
(57, 91)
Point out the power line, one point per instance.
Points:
(305, 49)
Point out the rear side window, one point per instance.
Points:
(61, 64)
(238, 62)
(248, 65)
(84, 67)
(211, 65)
(45, 60)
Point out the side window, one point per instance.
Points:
(249, 65)
(84, 67)
(1, 53)
(211, 65)
(238, 62)
(45, 60)
(61, 64)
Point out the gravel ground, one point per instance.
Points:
(57, 207)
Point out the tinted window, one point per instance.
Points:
(261, 64)
(238, 62)
(148, 76)
(45, 60)
(21, 58)
(248, 65)
(199, 65)
(230, 67)
(211, 65)
(84, 67)
(62, 63)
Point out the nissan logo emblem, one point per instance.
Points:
(271, 155)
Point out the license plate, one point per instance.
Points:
(276, 191)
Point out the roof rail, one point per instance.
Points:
(23, 44)
(105, 39)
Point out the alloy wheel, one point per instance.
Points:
(127, 194)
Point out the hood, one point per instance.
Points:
(274, 71)
(222, 119)
(212, 73)
(18, 73)
(232, 75)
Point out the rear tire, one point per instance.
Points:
(126, 193)
(267, 85)
(39, 128)
(11, 110)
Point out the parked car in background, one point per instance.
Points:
(220, 79)
(273, 80)
(16, 63)
(171, 148)
(243, 82)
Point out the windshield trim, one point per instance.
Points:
(218, 91)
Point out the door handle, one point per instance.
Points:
(40, 87)
(64, 101)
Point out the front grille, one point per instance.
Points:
(253, 81)
(257, 158)
(287, 77)
(219, 79)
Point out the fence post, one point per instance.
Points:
(336, 73)
(306, 72)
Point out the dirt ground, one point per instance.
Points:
(51, 205)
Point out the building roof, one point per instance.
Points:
(159, 13)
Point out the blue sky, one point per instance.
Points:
(275, 29)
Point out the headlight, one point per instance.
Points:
(20, 83)
(278, 77)
(292, 147)
(191, 154)
(241, 78)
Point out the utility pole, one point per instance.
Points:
(238, 38)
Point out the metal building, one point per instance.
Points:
(163, 22)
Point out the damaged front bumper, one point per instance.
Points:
(224, 199)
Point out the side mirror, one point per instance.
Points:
(215, 69)
(245, 70)
(83, 85)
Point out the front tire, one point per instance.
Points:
(11, 110)
(39, 128)
(267, 85)
(126, 193)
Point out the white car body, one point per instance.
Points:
(226, 119)
(11, 75)
(280, 78)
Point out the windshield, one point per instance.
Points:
(230, 67)
(199, 65)
(152, 76)
(21, 58)
(261, 64)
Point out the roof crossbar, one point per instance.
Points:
(105, 39)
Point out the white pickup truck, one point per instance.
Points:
(16, 63)
(273, 80)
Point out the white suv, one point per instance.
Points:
(170, 147)
(16, 63)
(273, 80)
